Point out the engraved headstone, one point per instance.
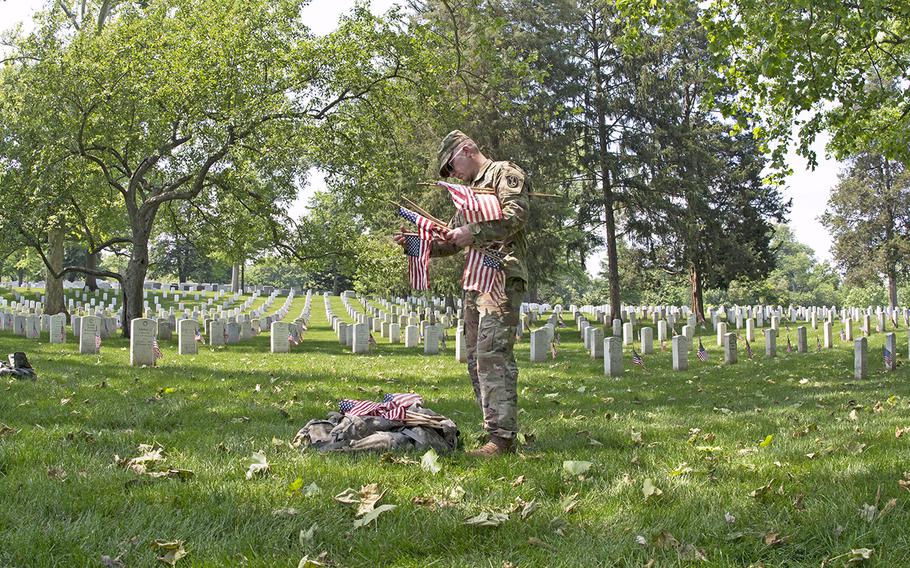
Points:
(771, 342)
(539, 345)
(680, 352)
(860, 355)
(730, 354)
(89, 330)
(186, 337)
(57, 328)
(613, 356)
(142, 333)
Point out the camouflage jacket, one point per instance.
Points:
(508, 233)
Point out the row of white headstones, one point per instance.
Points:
(610, 349)
(144, 332)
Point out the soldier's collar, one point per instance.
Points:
(482, 172)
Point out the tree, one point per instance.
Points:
(868, 216)
(817, 65)
(208, 87)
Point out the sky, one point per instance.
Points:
(809, 189)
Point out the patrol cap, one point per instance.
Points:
(447, 148)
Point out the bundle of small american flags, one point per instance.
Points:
(483, 268)
(393, 406)
(418, 247)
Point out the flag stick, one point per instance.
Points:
(489, 191)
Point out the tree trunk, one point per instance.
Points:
(698, 304)
(892, 288)
(21, 274)
(91, 262)
(54, 302)
(235, 278)
(136, 270)
(243, 275)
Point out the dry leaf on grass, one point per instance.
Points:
(172, 551)
(430, 462)
(372, 515)
(365, 499)
(258, 466)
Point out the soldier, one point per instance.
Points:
(490, 321)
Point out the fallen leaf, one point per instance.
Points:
(518, 481)
(307, 562)
(534, 541)
(6, 430)
(569, 503)
(430, 462)
(173, 551)
(365, 499)
(729, 518)
(311, 489)
(761, 491)
(867, 512)
(295, 486)
(576, 467)
(857, 555)
(649, 489)
(486, 519)
(258, 466)
(285, 512)
(772, 539)
(307, 536)
(109, 562)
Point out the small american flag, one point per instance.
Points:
(553, 349)
(426, 228)
(198, 336)
(156, 349)
(886, 355)
(418, 251)
(392, 407)
(405, 399)
(291, 339)
(98, 342)
(748, 349)
(894, 319)
(789, 345)
(663, 345)
(702, 352)
(843, 336)
(358, 407)
(818, 345)
(636, 359)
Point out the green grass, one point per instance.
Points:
(206, 412)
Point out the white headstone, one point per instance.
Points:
(613, 357)
(89, 329)
(186, 337)
(217, 333)
(142, 332)
(860, 363)
(360, 338)
(57, 328)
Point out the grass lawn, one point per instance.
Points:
(784, 462)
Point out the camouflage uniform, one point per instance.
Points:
(490, 323)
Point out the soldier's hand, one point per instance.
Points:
(460, 237)
(399, 238)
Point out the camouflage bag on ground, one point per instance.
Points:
(421, 429)
(18, 367)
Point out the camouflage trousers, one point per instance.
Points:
(490, 325)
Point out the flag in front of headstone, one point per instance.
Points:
(789, 345)
(636, 359)
(98, 342)
(843, 336)
(818, 345)
(291, 339)
(748, 349)
(888, 358)
(156, 349)
(702, 352)
(198, 336)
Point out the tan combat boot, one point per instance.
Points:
(496, 446)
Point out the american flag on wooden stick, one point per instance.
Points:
(636, 359)
(418, 251)
(702, 352)
(156, 349)
(748, 349)
(886, 355)
(291, 339)
(98, 342)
